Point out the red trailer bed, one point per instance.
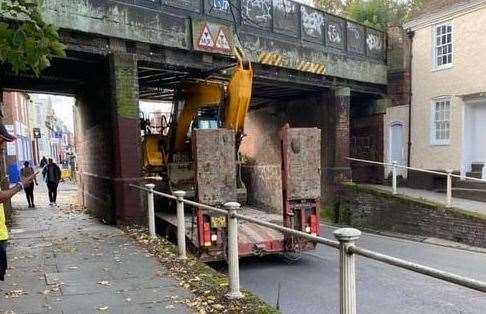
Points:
(252, 239)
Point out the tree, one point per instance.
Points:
(331, 6)
(374, 13)
(27, 42)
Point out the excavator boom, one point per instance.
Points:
(200, 95)
(197, 95)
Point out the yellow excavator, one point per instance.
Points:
(206, 104)
(175, 155)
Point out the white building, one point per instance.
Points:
(448, 116)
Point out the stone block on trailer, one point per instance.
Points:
(303, 155)
(215, 165)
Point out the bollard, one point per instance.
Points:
(181, 225)
(449, 189)
(347, 277)
(233, 263)
(151, 210)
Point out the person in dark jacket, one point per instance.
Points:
(52, 175)
(26, 172)
(43, 162)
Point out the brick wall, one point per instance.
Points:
(378, 210)
(94, 142)
(367, 143)
(398, 55)
(127, 153)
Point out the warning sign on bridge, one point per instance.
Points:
(205, 39)
(212, 37)
(222, 41)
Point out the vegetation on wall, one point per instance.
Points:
(27, 42)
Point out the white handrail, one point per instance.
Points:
(346, 244)
(415, 169)
(394, 166)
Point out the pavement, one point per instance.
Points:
(63, 261)
(310, 285)
(440, 198)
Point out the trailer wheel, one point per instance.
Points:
(293, 251)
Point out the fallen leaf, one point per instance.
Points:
(104, 283)
(15, 293)
(218, 306)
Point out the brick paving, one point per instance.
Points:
(63, 261)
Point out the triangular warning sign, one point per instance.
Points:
(205, 39)
(222, 41)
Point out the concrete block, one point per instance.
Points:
(215, 164)
(304, 163)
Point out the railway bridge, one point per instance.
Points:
(311, 68)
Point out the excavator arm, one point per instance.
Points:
(199, 95)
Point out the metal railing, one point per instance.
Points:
(346, 239)
(394, 165)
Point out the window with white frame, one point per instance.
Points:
(443, 45)
(441, 121)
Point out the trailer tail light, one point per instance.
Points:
(206, 234)
(314, 225)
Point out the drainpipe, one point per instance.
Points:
(410, 34)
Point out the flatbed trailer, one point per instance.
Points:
(253, 239)
(213, 176)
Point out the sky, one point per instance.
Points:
(63, 107)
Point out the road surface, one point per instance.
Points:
(311, 284)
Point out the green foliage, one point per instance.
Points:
(381, 13)
(331, 6)
(374, 13)
(29, 43)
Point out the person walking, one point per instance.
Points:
(43, 162)
(52, 175)
(26, 172)
(5, 196)
(72, 165)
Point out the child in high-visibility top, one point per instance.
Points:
(5, 196)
